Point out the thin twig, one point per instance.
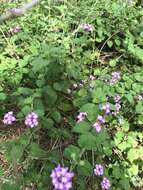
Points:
(19, 11)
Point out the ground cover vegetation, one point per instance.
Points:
(71, 96)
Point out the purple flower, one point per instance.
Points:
(97, 126)
(105, 184)
(91, 77)
(9, 118)
(61, 178)
(106, 108)
(114, 113)
(87, 27)
(31, 120)
(81, 116)
(98, 169)
(117, 107)
(100, 119)
(115, 78)
(117, 98)
(14, 30)
(116, 75)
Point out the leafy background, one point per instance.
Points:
(41, 63)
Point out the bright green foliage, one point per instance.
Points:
(39, 67)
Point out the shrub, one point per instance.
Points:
(74, 72)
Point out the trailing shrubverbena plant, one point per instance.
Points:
(71, 84)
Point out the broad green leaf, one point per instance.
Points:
(72, 152)
(87, 141)
(82, 127)
(133, 170)
(99, 95)
(92, 111)
(84, 168)
(139, 107)
(2, 96)
(35, 151)
(132, 155)
(56, 116)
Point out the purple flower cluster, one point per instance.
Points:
(81, 116)
(97, 127)
(99, 171)
(87, 81)
(87, 27)
(105, 184)
(14, 30)
(31, 120)
(117, 99)
(99, 121)
(9, 118)
(106, 108)
(115, 78)
(91, 77)
(61, 178)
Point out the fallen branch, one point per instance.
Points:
(16, 12)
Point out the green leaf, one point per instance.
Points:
(2, 96)
(56, 116)
(133, 170)
(110, 43)
(139, 107)
(99, 95)
(87, 141)
(72, 153)
(92, 111)
(140, 119)
(123, 146)
(130, 98)
(125, 183)
(97, 72)
(35, 151)
(25, 91)
(39, 63)
(38, 106)
(116, 172)
(132, 155)
(26, 109)
(112, 63)
(47, 123)
(50, 95)
(54, 156)
(82, 127)
(136, 51)
(84, 168)
(101, 138)
(138, 77)
(9, 186)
